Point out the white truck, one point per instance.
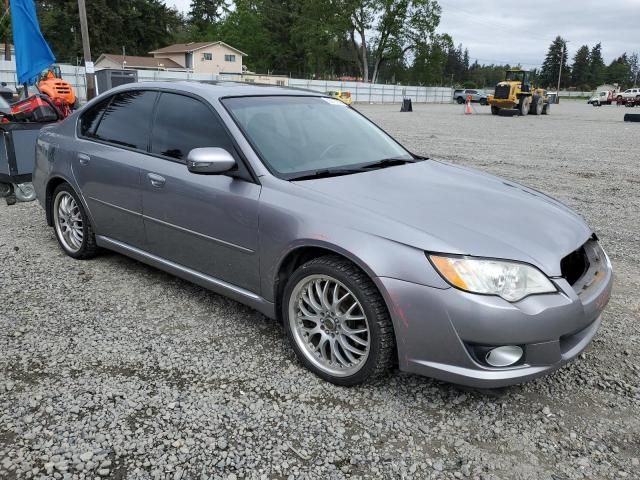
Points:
(607, 97)
(629, 96)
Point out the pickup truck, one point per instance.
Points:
(630, 94)
(479, 96)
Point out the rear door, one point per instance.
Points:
(114, 136)
(208, 223)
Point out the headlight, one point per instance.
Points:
(510, 280)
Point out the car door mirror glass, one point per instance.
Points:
(210, 160)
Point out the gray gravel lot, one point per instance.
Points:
(109, 368)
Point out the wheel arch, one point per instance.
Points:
(301, 254)
(52, 184)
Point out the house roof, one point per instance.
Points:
(192, 47)
(144, 62)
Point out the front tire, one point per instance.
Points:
(495, 110)
(72, 224)
(337, 322)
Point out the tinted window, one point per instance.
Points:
(90, 119)
(127, 119)
(184, 123)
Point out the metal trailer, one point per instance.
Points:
(17, 158)
(109, 78)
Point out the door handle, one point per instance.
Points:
(156, 180)
(83, 159)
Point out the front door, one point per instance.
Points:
(113, 141)
(208, 223)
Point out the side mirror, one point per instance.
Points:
(210, 160)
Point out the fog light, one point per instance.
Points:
(503, 356)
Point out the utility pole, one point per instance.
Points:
(86, 48)
(7, 42)
(560, 71)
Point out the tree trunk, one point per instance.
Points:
(364, 59)
(376, 70)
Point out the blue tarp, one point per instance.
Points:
(33, 54)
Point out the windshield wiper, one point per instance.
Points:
(390, 162)
(326, 173)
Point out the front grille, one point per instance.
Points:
(502, 91)
(574, 265)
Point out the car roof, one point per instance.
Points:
(213, 90)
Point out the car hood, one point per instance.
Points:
(446, 208)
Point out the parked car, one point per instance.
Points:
(300, 207)
(478, 96)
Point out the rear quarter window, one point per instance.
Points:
(127, 119)
(89, 120)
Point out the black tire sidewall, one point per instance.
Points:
(87, 232)
(369, 367)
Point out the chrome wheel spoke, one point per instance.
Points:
(353, 331)
(349, 350)
(358, 340)
(335, 353)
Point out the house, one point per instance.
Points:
(110, 60)
(203, 57)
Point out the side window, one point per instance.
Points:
(89, 120)
(183, 123)
(127, 119)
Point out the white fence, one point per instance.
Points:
(360, 92)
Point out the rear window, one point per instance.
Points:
(127, 119)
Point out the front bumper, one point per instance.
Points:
(437, 330)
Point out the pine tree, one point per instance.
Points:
(580, 69)
(619, 71)
(551, 67)
(596, 66)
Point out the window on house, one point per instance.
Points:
(207, 56)
(229, 58)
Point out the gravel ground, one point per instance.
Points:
(109, 368)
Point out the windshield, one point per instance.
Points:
(514, 76)
(295, 135)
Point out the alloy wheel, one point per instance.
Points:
(329, 325)
(68, 221)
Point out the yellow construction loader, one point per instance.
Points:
(516, 92)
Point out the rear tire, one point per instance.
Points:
(71, 224)
(546, 108)
(460, 100)
(483, 101)
(340, 290)
(524, 105)
(495, 110)
(536, 105)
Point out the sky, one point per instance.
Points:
(500, 31)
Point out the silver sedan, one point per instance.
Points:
(297, 205)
